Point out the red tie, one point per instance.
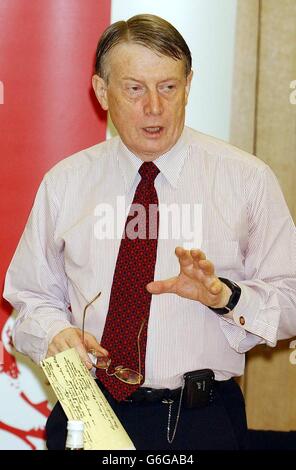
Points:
(129, 300)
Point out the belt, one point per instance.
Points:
(153, 395)
(145, 394)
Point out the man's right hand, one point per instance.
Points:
(72, 338)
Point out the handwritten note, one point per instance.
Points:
(82, 399)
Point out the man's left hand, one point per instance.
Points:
(196, 281)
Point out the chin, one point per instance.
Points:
(150, 155)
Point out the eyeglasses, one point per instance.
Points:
(122, 373)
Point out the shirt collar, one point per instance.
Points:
(170, 163)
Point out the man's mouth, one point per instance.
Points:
(153, 131)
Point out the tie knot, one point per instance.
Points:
(148, 171)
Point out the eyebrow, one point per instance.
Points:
(140, 81)
(131, 78)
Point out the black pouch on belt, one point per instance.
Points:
(198, 388)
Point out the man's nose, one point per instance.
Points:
(153, 104)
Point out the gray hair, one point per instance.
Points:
(149, 31)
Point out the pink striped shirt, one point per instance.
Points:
(224, 201)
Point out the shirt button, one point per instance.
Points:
(242, 320)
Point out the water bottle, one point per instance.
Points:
(74, 439)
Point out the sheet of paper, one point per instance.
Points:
(82, 399)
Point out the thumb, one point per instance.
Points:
(83, 355)
(93, 346)
(162, 287)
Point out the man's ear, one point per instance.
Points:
(100, 89)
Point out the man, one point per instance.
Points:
(235, 289)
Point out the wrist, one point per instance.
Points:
(229, 302)
(225, 296)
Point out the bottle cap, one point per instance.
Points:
(74, 425)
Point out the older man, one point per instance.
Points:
(236, 282)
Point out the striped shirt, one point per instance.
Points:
(212, 196)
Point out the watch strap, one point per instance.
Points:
(233, 299)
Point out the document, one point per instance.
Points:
(82, 399)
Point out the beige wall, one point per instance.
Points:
(264, 123)
(276, 117)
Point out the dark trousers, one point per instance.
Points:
(219, 426)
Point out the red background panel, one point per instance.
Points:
(47, 51)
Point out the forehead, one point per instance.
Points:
(130, 59)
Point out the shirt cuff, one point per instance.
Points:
(32, 336)
(255, 314)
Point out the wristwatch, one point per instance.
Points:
(233, 299)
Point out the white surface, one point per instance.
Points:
(14, 410)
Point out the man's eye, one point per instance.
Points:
(135, 90)
(168, 88)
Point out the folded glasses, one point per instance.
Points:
(125, 374)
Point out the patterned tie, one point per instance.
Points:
(130, 302)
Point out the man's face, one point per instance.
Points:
(146, 96)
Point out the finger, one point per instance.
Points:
(58, 344)
(197, 256)
(62, 340)
(94, 347)
(207, 267)
(161, 287)
(84, 356)
(66, 339)
(73, 339)
(216, 286)
(52, 351)
(185, 258)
